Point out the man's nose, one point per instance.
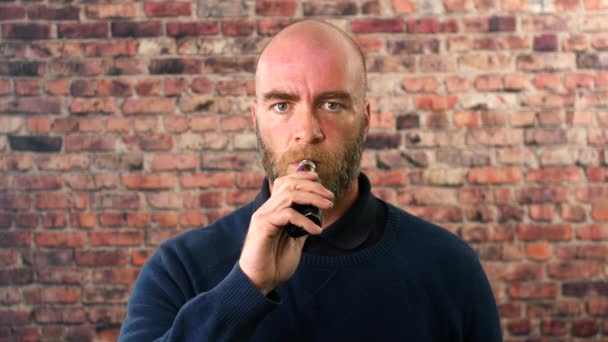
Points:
(308, 128)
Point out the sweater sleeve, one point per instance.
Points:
(483, 320)
(158, 311)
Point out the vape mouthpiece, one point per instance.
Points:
(307, 165)
(309, 211)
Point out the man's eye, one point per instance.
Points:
(332, 106)
(281, 107)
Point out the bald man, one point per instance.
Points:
(368, 271)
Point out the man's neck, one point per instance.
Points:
(341, 205)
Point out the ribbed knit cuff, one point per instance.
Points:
(240, 301)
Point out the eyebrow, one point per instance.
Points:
(288, 96)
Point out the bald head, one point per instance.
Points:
(312, 38)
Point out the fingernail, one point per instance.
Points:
(320, 229)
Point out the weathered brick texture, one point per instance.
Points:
(125, 123)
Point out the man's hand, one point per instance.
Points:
(270, 256)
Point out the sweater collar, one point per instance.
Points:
(349, 231)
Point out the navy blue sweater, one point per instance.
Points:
(417, 283)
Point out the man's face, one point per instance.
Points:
(310, 105)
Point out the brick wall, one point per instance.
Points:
(125, 123)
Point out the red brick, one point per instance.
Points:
(112, 219)
(183, 161)
(554, 328)
(104, 295)
(75, 143)
(56, 87)
(207, 180)
(548, 81)
(65, 315)
(595, 4)
(235, 87)
(5, 87)
(456, 84)
(494, 175)
(140, 256)
(114, 88)
(515, 82)
(578, 80)
(485, 233)
(550, 118)
(550, 232)
(519, 327)
(38, 124)
(423, 25)
(553, 175)
(116, 238)
(585, 328)
(63, 162)
(26, 87)
(533, 290)
(15, 201)
(138, 220)
(238, 27)
(165, 219)
(107, 315)
(100, 258)
(377, 25)
(268, 27)
(192, 219)
(55, 220)
(15, 239)
(599, 212)
(275, 8)
(598, 307)
(142, 124)
(573, 213)
(91, 181)
(83, 220)
(8, 257)
(60, 239)
(8, 12)
(53, 13)
(199, 28)
(546, 42)
(125, 276)
(148, 87)
(155, 181)
(592, 194)
(137, 29)
(593, 232)
(82, 30)
(97, 105)
(420, 84)
(167, 9)
(539, 251)
(111, 11)
(435, 102)
(149, 142)
(33, 105)
(542, 212)
(175, 86)
(149, 106)
(26, 31)
(403, 6)
(488, 82)
(601, 79)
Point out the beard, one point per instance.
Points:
(337, 170)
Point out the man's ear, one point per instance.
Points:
(367, 116)
(253, 110)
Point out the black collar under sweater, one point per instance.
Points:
(360, 227)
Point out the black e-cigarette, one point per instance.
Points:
(311, 212)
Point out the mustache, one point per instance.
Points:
(307, 152)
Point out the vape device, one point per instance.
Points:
(311, 212)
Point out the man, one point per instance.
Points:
(371, 271)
